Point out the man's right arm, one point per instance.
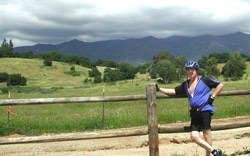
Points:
(176, 91)
(165, 90)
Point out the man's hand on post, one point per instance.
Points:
(157, 87)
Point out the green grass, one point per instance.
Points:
(43, 76)
(45, 82)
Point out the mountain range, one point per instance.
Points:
(143, 49)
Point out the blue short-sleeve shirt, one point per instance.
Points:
(201, 92)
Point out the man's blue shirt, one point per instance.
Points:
(201, 92)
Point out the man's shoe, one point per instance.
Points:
(217, 152)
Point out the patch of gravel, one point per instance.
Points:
(178, 144)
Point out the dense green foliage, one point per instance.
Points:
(7, 49)
(73, 72)
(144, 67)
(13, 79)
(235, 67)
(124, 71)
(16, 79)
(4, 77)
(211, 68)
(106, 63)
(168, 67)
(47, 62)
(94, 72)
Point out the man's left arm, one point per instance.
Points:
(215, 93)
(217, 90)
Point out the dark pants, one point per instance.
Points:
(201, 121)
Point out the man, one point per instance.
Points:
(198, 89)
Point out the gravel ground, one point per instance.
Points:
(174, 144)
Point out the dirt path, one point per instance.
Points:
(177, 144)
(171, 144)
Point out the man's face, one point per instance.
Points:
(191, 72)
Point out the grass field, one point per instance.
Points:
(44, 82)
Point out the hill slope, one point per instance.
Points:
(143, 49)
(43, 76)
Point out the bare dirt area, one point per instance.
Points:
(172, 144)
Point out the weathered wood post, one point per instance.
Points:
(152, 121)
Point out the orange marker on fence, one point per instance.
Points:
(9, 110)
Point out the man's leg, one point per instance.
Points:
(208, 139)
(195, 137)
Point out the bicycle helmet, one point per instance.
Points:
(192, 64)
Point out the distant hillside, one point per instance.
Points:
(39, 75)
(143, 49)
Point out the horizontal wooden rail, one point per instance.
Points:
(70, 100)
(34, 101)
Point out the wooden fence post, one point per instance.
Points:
(152, 121)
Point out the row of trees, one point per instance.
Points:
(123, 71)
(165, 66)
(233, 69)
(169, 68)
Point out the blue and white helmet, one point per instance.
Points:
(192, 64)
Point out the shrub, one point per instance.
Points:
(4, 77)
(47, 62)
(16, 79)
(72, 68)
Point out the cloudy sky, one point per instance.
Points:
(28, 22)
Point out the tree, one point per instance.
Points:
(53, 55)
(94, 72)
(144, 67)
(73, 72)
(203, 62)
(72, 68)
(211, 68)
(165, 70)
(47, 62)
(11, 46)
(28, 54)
(16, 79)
(4, 77)
(234, 68)
(4, 44)
(173, 65)
(164, 55)
(153, 73)
(111, 75)
(98, 79)
(7, 49)
(108, 63)
(128, 71)
(248, 58)
(179, 62)
(221, 57)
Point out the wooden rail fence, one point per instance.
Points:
(150, 97)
